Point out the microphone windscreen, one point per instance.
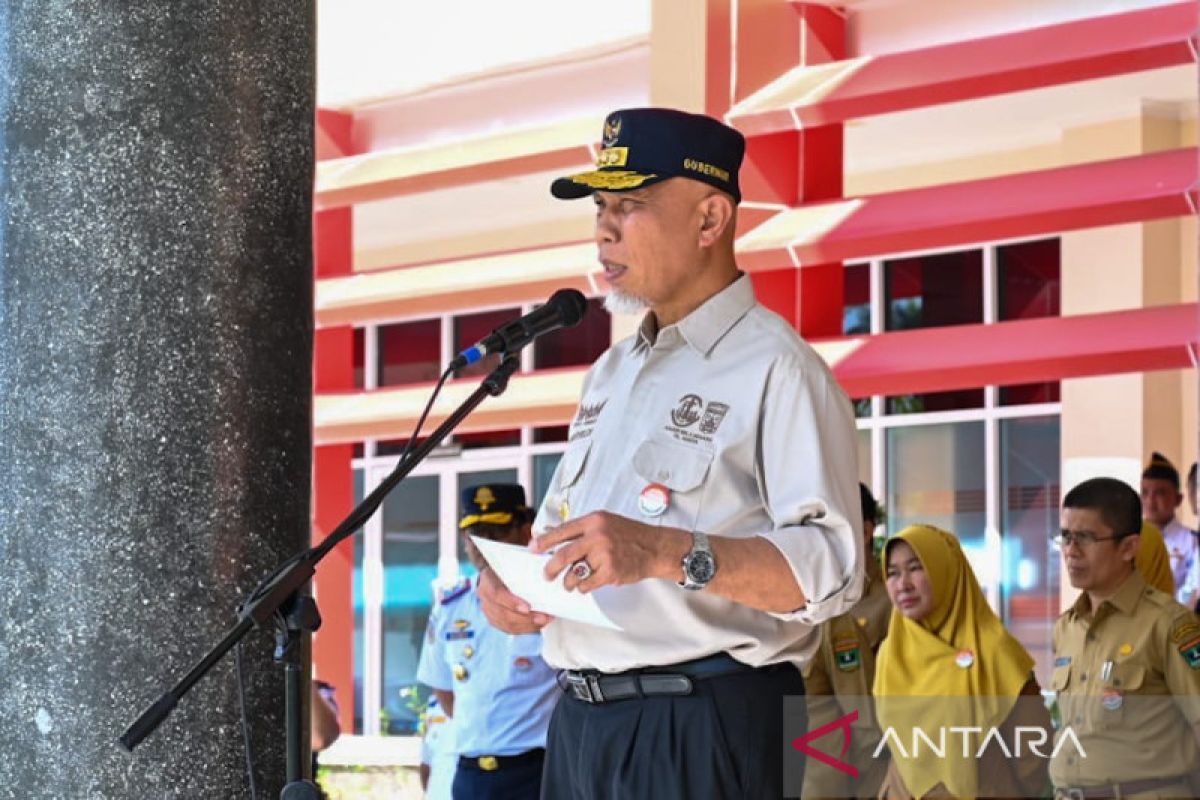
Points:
(571, 305)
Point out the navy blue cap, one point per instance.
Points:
(643, 146)
(495, 504)
(1161, 468)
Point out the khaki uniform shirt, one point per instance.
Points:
(1128, 684)
(744, 426)
(838, 681)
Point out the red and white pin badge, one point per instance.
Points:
(654, 500)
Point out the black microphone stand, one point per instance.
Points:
(282, 599)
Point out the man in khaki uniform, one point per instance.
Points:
(838, 682)
(1127, 661)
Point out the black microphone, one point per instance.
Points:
(564, 309)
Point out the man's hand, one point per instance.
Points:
(505, 610)
(618, 550)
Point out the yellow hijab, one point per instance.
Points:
(1153, 561)
(929, 658)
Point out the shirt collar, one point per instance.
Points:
(709, 323)
(1125, 600)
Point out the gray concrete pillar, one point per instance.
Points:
(155, 339)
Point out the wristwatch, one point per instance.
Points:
(699, 565)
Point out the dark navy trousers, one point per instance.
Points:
(724, 741)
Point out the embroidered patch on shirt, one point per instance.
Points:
(846, 655)
(1190, 650)
(1184, 632)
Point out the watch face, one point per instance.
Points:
(701, 567)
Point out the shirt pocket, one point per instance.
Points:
(573, 461)
(1122, 688)
(682, 470)
(570, 471)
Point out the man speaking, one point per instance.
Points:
(708, 495)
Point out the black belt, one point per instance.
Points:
(493, 763)
(1112, 790)
(592, 686)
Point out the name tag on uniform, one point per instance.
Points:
(456, 635)
(1062, 661)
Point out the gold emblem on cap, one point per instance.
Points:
(484, 497)
(612, 157)
(612, 129)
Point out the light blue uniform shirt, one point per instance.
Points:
(439, 752)
(504, 692)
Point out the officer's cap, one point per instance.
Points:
(495, 504)
(642, 146)
(1161, 468)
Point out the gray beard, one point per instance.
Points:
(617, 302)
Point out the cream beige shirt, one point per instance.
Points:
(744, 425)
(1127, 678)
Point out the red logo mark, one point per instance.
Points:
(844, 723)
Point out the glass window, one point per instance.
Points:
(856, 299)
(359, 356)
(935, 401)
(470, 328)
(410, 352)
(468, 479)
(1029, 498)
(543, 473)
(410, 556)
(934, 290)
(1029, 286)
(557, 433)
(1027, 393)
(1028, 279)
(936, 476)
(510, 437)
(576, 346)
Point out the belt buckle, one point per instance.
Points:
(489, 763)
(586, 688)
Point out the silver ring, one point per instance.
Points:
(582, 570)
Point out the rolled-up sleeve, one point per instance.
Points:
(808, 476)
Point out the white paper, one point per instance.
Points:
(523, 572)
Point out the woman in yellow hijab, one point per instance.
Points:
(1153, 560)
(949, 663)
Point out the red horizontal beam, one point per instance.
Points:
(1123, 190)
(1097, 47)
(1023, 351)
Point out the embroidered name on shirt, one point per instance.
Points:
(586, 419)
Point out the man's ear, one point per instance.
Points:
(716, 216)
(1128, 547)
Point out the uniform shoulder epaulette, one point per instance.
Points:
(1158, 597)
(456, 591)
